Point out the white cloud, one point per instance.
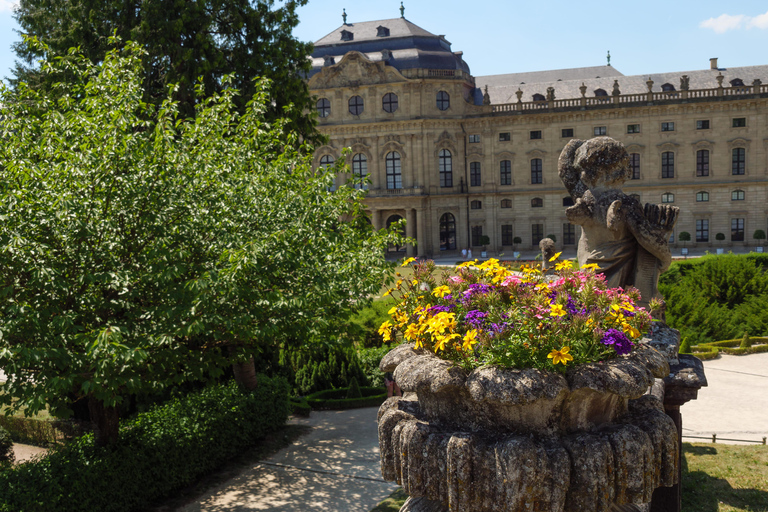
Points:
(726, 22)
(760, 21)
(8, 5)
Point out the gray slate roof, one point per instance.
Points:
(502, 88)
(367, 30)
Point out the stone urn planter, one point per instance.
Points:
(527, 440)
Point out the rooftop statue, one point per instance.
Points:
(628, 241)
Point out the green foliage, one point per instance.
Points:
(364, 325)
(369, 362)
(684, 236)
(717, 297)
(552, 237)
(187, 43)
(300, 407)
(517, 240)
(746, 342)
(6, 448)
(40, 432)
(158, 452)
(759, 235)
(720, 237)
(354, 389)
(141, 249)
(322, 367)
(485, 240)
(336, 399)
(685, 346)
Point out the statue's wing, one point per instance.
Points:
(570, 176)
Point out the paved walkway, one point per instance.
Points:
(334, 468)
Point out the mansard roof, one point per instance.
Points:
(403, 45)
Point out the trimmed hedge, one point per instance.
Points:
(159, 452)
(300, 407)
(6, 448)
(43, 433)
(711, 350)
(335, 399)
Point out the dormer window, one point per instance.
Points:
(382, 31)
(667, 88)
(600, 92)
(538, 97)
(346, 35)
(737, 82)
(328, 60)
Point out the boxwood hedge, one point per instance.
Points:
(337, 398)
(159, 452)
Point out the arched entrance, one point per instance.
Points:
(447, 232)
(391, 220)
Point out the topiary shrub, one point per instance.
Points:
(685, 346)
(354, 389)
(6, 448)
(745, 341)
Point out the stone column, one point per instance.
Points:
(421, 244)
(410, 230)
(376, 219)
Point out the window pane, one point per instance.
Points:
(738, 161)
(537, 233)
(446, 168)
(702, 162)
(355, 105)
(389, 102)
(323, 107)
(360, 170)
(474, 174)
(536, 171)
(443, 100)
(505, 171)
(394, 174)
(668, 164)
(634, 164)
(737, 230)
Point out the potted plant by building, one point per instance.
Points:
(500, 366)
(720, 237)
(484, 241)
(759, 236)
(515, 241)
(684, 237)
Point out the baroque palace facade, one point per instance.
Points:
(462, 157)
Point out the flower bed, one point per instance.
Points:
(488, 315)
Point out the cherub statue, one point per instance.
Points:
(627, 241)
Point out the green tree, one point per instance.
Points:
(684, 237)
(205, 39)
(140, 249)
(759, 235)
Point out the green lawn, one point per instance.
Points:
(716, 478)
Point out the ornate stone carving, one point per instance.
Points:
(684, 83)
(628, 241)
(355, 69)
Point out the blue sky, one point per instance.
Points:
(505, 37)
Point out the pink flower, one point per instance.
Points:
(456, 279)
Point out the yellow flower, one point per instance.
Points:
(408, 262)
(414, 282)
(629, 330)
(561, 356)
(557, 310)
(557, 255)
(387, 293)
(441, 341)
(399, 283)
(386, 330)
(469, 339)
(418, 344)
(564, 265)
(591, 266)
(392, 311)
(441, 291)
(411, 332)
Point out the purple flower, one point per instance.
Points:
(439, 309)
(475, 318)
(621, 344)
(497, 329)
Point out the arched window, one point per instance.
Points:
(443, 100)
(702, 197)
(536, 171)
(446, 168)
(538, 97)
(667, 87)
(325, 162)
(737, 82)
(567, 201)
(506, 203)
(667, 197)
(391, 220)
(668, 164)
(394, 174)
(600, 93)
(356, 105)
(476, 205)
(360, 170)
(389, 102)
(702, 163)
(475, 178)
(737, 195)
(505, 172)
(447, 232)
(323, 107)
(537, 202)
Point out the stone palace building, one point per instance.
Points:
(461, 157)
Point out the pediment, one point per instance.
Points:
(355, 69)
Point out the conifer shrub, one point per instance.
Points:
(746, 342)
(354, 389)
(6, 448)
(316, 368)
(685, 346)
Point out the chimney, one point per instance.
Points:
(713, 63)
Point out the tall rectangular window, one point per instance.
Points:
(738, 161)
(537, 175)
(668, 164)
(505, 172)
(474, 174)
(477, 234)
(702, 162)
(537, 233)
(737, 230)
(506, 235)
(394, 173)
(634, 164)
(702, 230)
(569, 234)
(446, 168)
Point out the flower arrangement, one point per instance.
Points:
(486, 314)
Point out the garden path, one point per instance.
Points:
(334, 468)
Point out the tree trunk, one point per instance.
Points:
(245, 373)
(105, 421)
